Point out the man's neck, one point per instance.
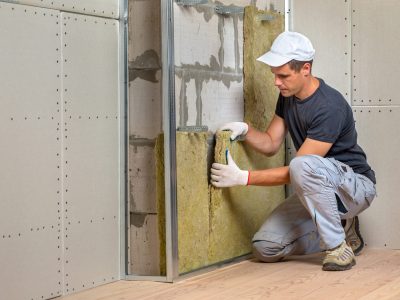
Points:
(309, 88)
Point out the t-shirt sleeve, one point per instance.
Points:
(279, 106)
(327, 124)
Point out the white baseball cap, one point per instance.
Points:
(287, 46)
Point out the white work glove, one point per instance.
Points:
(228, 175)
(239, 129)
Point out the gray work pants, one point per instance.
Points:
(309, 221)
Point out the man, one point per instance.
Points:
(331, 178)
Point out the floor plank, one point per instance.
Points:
(376, 276)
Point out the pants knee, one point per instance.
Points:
(301, 165)
(268, 251)
(304, 172)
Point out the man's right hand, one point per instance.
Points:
(239, 129)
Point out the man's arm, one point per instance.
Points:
(267, 142)
(279, 176)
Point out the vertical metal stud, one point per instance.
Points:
(169, 125)
(124, 109)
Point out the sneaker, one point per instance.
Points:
(340, 258)
(353, 235)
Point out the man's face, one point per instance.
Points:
(288, 81)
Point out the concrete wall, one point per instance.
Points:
(209, 63)
(145, 119)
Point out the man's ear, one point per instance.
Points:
(306, 69)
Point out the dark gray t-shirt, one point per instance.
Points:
(325, 116)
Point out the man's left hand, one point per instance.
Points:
(228, 175)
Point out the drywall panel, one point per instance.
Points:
(102, 8)
(30, 201)
(91, 151)
(90, 66)
(91, 251)
(327, 25)
(91, 169)
(31, 263)
(91, 201)
(30, 206)
(22, 27)
(30, 209)
(375, 50)
(377, 128)
(375, 103)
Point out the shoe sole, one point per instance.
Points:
(336, 267)
(358, 250)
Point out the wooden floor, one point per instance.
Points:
(375, 277)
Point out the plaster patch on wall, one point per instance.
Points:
(145, 66)
(229, 40)
(191, 104)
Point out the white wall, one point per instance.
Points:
(357, 52)
(101, 8)
(60, 188)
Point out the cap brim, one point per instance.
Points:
(273, 59)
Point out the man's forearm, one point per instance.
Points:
(260, 141)
(270, 177)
